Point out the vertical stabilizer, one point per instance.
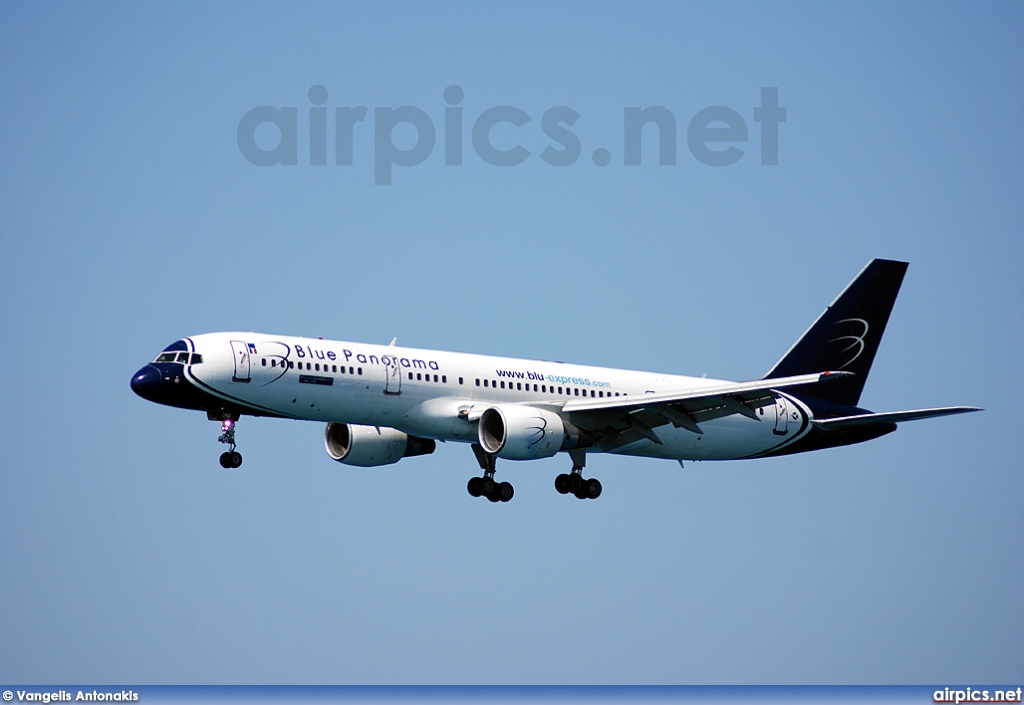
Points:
(846, 336)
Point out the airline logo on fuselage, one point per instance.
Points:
(346, 355)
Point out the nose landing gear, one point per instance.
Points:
(230, 458)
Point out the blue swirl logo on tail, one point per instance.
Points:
(857, 343)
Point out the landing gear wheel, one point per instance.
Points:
(505, 491)
(575, 483)
(562, 484)
(589, 489)
(225, 460)
(236, 459)
(487, 487)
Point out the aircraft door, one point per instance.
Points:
(393, 377)
(243, 368)
(781, 416)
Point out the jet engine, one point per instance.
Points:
(519, 432)
(370, 446)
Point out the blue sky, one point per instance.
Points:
(131, 218)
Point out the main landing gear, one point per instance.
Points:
(567, 483)
(486, 486)
(230, 458)
(573, 483)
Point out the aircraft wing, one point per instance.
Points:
(622, 420)
(844, 422)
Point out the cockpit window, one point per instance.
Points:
(175, 352)
(182, 357)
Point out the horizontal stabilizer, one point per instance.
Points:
(888, 417)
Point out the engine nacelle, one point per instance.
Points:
(370, 446)
(525, 433)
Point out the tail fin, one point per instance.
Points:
(846, 336)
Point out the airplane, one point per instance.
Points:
(382, 403)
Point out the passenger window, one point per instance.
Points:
(264, 361)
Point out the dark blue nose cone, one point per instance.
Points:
(146, 383)
(167, 383)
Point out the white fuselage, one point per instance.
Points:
(437, 394)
